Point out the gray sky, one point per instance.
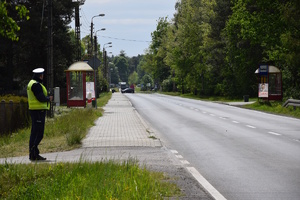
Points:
(128, 23)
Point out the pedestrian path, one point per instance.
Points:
(120, 125)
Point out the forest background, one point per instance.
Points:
(208, 48)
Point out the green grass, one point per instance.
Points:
(62, 133)
(206, 98)
(274, 107)
(83, 180)
(103, 99)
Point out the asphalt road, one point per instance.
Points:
(243, 154)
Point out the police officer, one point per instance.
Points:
(39, 103)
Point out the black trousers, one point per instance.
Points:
(37, 131)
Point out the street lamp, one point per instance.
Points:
(95, 51)
(102, 29)
(95, 75)
(100, 15)
(104, 61)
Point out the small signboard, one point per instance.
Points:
(90, 90)
(263, 70)
(263, 90)
(94, 62)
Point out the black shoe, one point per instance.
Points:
(37, 158)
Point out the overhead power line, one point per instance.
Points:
(125, 39)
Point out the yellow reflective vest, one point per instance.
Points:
(35, 104)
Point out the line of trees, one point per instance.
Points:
(23, 41)
(213, 47)
(209, 47)
(23, 46)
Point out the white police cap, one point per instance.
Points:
(38, 70)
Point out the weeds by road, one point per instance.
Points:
(274, 107)
(62, 133)
(83, 180)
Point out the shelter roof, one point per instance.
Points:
(80, 66)
(272, 69)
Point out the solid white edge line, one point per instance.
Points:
(207, 186)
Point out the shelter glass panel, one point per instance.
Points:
(76, 86)
(275, 84)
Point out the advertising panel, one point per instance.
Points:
(263, 90)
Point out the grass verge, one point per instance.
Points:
(83, 180)
(63, 132)
(274, 107)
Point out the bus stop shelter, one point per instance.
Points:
(80, 84)
(269, 82)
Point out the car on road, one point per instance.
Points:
(128, 90)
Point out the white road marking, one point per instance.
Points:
(222, 118)
(212, 115)
(179, 156)
(204, 112)
(209, 188)
(273, 133)
(174, 151)
(236, 122)
(185, 162)
(249, 126)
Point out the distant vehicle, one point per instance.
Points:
(128, 90)
(123, 85)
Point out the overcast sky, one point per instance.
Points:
(128, 23)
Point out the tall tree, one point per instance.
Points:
(18, 59)
(8, 24)
(290, 38)
(121, 63)
(158, 49)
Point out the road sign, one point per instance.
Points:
(263, 70)
(94, 62)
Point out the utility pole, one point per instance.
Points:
(50, 113)
(76, 4)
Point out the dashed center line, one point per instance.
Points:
(273, 133)
(249, 126)
(212, 115)
(236, 122)
(174, 151)
(185, 162)
(179, 156)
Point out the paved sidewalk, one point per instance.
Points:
(121, 125)
(121, 134)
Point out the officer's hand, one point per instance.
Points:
(51, 98)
